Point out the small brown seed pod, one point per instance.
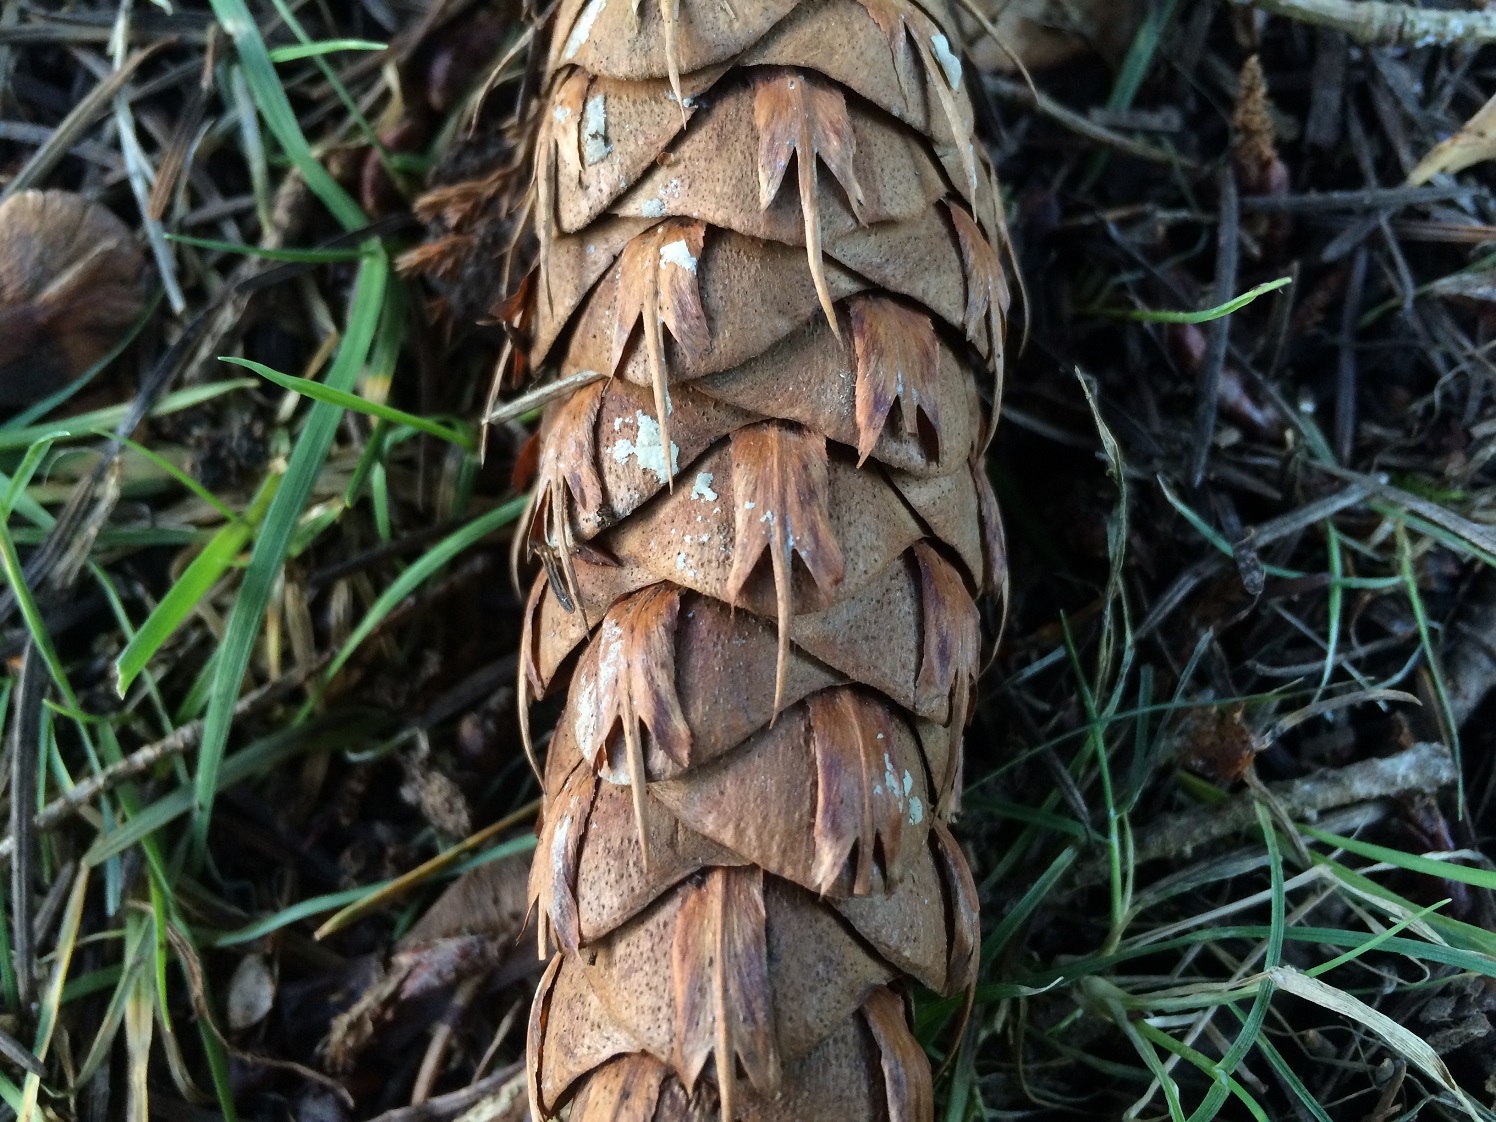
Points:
(69, 287)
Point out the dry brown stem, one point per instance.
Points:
(1379, 24)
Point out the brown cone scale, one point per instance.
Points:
(769, 227)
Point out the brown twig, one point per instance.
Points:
(454, 1102)
(1374, 23)
(1082, 126)
(1423, 767)
(142, 760)
(1367, 198)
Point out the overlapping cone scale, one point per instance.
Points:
(769, 230)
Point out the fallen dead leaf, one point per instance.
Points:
(1476, 141)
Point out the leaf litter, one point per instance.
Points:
(1248, 661)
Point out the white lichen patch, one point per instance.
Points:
(583, 27)
(595, 146)
(584, 723)
(677, 253)
(947, 59)
(558, 847)
(891, 777)
(703, 488)
(916, 811)
(652, 208)
(648, 449)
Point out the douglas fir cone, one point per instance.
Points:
(763, 525)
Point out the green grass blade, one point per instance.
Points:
(1431, 656)
(1289, 1077)
(302, 909)
(10, 563)
(1335, 604)
(1445, 870)
(270, 98)
(260, 757)
(174, 472)
(304, 256)
(1375, 941)
(312, 446)
(422, 569)
(196, 581)
(329, 395)
(325, 47)
(86, 424)
(23, 475)
(1220, 311)
(1222, 1083)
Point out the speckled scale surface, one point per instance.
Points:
(769, 226)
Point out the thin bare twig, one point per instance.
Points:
(1423, 767)
(454, 1102)
(1367, 198)
(1375, 23)
(144, 759)
(1046, 106)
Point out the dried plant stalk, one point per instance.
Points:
(764, 530)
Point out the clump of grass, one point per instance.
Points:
(1222, 796)
(219, 676)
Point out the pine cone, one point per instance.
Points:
(759, 587)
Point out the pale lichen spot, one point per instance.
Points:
(703, 488)
(583, 27)
(595, 146)
(584, 723)
(916, 811)
(649, 450)
(653, 208)
(558, 847)
(948, 61)
(908, 782)
(679, 254)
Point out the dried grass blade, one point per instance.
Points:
(79, 119)
(1398, 1038)
(62, 958)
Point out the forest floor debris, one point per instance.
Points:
(264, 646)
